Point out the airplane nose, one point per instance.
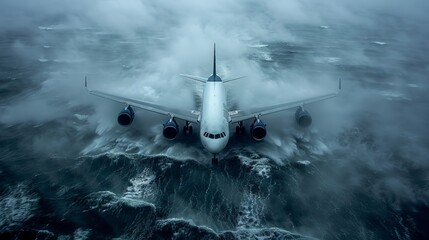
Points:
(214, 146)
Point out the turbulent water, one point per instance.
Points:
(68, 171)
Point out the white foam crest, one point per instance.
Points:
(259, 165)
(164, 222)
(63, 27)
(107, 200)
(151, 144)
(257, 45)
(250, 211)
(394, 96)
(81, 117)
(46, 27)
(17, 205)
(333, 59)
(278, 148)
(266, 233)
(283, 145)
(327, 59)
(413, 85)
(304, 162)
(81, 234)
(98, 145)
(143, 186)
(265, 56)
(317, 147)
(177, 149)
(69, 60)
(379, 43)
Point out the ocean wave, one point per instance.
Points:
(266, 56)
(250, 211)
(257, 45)
(379, 43)
(43, 60)
(258, 165)
(47, 27)
(267, 233)
(108, 201)
(17, 205)
(175, 228)
(327, 59)
(304, 162)
(81, 234)
(143, 186)
(413, 85)
(394, 96)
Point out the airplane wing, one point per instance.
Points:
(238, 116)
(190, 116)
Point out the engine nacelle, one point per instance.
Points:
(258, 130)
(302, 118)
(126, 116)
(171, 129)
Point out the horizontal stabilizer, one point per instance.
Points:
(233, 79)
(196, 78)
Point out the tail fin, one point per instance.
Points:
(214, 60)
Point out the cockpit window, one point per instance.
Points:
(214, 136)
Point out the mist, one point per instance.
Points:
(377, 125)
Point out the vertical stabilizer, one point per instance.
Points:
(214, 77)
(214, 60)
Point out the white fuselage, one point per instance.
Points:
(214, 118)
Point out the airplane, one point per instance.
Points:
(214, 117)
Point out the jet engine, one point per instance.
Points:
(126, 116)
(302, 118)
(258, 130)
(171, 129)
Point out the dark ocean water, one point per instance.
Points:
(68, 171)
